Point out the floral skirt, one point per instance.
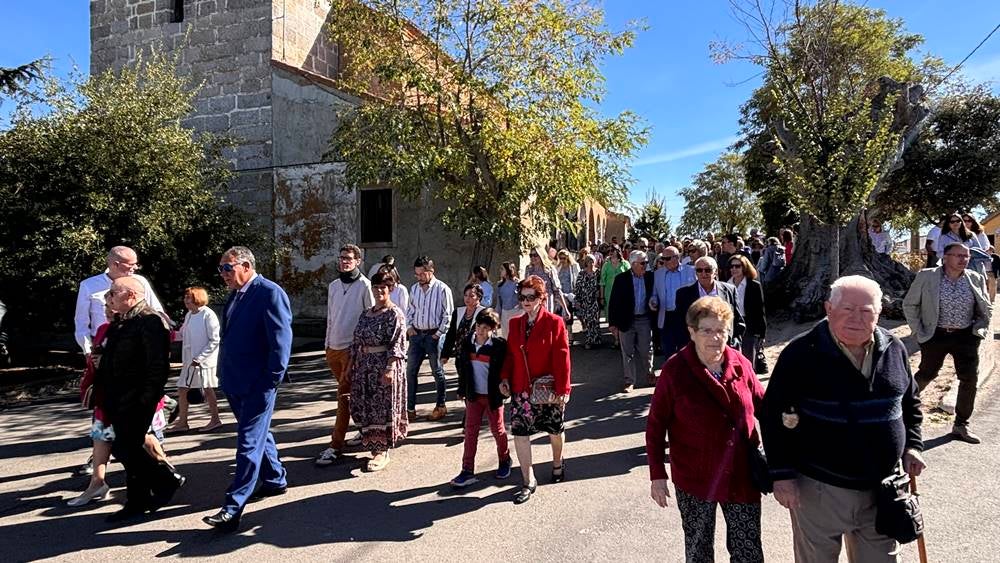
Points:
(527, 419)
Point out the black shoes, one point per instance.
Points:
(525, 493)
(265, 492)
(223, 521)
(559, 473)
(130, 511)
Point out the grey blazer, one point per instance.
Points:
(921, 303)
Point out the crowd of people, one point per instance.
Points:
(698, 304)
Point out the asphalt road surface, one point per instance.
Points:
(408, 512)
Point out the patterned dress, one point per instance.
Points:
(378, 408)
(588, 306)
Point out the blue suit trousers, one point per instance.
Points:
(256, 452)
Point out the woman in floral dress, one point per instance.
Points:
(588, 302)
(378, 381)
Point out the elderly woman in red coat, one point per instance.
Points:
(704, 402)
(537, 346)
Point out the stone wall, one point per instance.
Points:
(299, 36)
(223, 45)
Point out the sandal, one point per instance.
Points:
(561, 475)
(378, 463)
(525, 493)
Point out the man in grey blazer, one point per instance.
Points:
(948, 310)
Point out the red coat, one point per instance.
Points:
(547, 349)
(708, 453)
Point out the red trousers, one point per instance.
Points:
(474, 410)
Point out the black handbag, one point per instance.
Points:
(760, 474)
(195, 396)
(897, 511)
(760, 362)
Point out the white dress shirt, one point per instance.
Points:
(89, 314)
(741, 291)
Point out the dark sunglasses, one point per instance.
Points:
(704, 270)
(736, 265)
(527, 297)
(953, 221)
(668, 258)
(533, 255)
(228, 268)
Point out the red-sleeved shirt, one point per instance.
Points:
(708, 452)
(547, 349)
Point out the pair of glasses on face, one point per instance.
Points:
(736, 265)
(527, 297)
(533, 255)
(704, 270)
(228, 268)
(709, 332)
(126, 265)
(954, 221)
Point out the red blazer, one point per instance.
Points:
(548, 353)
(708, 453)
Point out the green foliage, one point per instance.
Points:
(106, 162)
(17, 79)
(651, 220)
(719, 201)
(954, 163)
(489, 105)
(824, 111)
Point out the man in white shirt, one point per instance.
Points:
(347, 298)
(122, 262)
(427, 318)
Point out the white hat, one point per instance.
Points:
(637, 256)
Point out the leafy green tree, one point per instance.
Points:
(954, 163)
(651, 220)
(489, 106)
(838, 97)
(17, 79)
(107, 162)
(719, 200)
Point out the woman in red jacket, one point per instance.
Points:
(704, 401)
(537, 346)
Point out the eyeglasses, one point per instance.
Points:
(707, 332)
(527, 296)
(736, 265)
(669, 258)
(228, 268)
(967, 219)
(642, 262)
(693, 251)
(954, 221)
(128, 265)
(533, 255)
(704, 270)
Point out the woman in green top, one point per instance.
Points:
(613, 266)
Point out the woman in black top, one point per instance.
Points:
(750, 300)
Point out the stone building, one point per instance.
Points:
(265, 69)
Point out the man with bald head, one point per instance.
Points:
(122, 262)
(130, 378)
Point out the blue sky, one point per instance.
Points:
(690, 103)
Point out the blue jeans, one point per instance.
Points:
(423, 346)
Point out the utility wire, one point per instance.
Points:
(959, 65)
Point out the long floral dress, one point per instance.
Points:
(588, 306)
(378, 408)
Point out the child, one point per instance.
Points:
(479, 365)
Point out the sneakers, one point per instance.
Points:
(438, 413)
(353, 441)
(327, 457)
(504, 470)
(962, 433)
(466, 478)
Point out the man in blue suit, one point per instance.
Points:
(256, 345)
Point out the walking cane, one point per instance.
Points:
(921, 548)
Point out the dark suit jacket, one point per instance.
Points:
(687, 295)
(256, 339)
(753, 309)
(496, 351)
(134, 368)
(621, 306)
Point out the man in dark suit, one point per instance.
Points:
(705, 271)
(131, 376)
(630, 319)
(253, 359)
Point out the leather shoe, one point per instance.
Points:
(223, 521)
(265, 492)
(962, 433)
(128, 512)
(438, 413)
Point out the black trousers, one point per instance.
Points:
(144, 476)
(963, 345)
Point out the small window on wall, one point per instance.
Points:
(376, 216)
(177, 14)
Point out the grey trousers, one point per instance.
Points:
(826, 514)
(637, 358)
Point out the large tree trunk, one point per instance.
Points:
(824, 253)
(482, 254)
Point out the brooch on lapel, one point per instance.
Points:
(790, 419)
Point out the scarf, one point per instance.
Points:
(350, 277)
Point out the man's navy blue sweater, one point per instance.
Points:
(851, 430)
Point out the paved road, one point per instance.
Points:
(408, 512)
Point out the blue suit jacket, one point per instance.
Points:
(256, 339)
